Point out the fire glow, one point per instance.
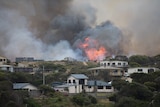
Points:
(93, 50)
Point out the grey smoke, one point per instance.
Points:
(42, 29)
(107, 34)
(52, 29)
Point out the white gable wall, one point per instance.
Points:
(75, 87)
(7, 68)
(141, 70)
(30, 87)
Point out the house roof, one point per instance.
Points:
(19, 85)
(97, 83)
(79, 76)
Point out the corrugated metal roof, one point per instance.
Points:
(79, 76)
(97, 83)
(19, 85)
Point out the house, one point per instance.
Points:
(114, 67)
(9, 68)
(27, 59)
(69, 59)
(140, 70)
(23, 69)
(3, 60)
(112, 71)
(32, 90)
(98, 86)
(25, 86)
(114, 63)
(77, 83)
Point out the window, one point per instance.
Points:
(89, 86)
(100, 87)
(69, 81)
(113, 64)
(150, 70)
(81, 81)
(124, 64)
(108, 87)
(105, 64)
(119, 63)
(74, 81)
(115, 71)
(108, 64)
(140, 70)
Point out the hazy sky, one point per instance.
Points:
(47, 29)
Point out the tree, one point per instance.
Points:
(140, 59)
(47, 90)
(137, 91)
(130, 102)
(119, 83)
(83, 99)
(141, 77)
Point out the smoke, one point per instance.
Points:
(107, 35)
(53, 29)
(138, 18)
(43, 29)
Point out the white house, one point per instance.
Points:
(98, 86)
(114, 63)
(7, 68)
(113, 71)
(140, 70)
(25, 86)
(3, 60)
(77, 83)
(31, 89)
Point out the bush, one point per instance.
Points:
(83, 99)
(130, 102)
(137, 91)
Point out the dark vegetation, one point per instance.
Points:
(144, 91)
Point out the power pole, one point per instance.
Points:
(43, 76)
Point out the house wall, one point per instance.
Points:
(3, 60)
(92, 89)
(30, 87)
(140, 70)
(116, 72)
(105, 90)
(114, 63)
(60, 89)
(76, 88)
(76, 81)
(7, 68)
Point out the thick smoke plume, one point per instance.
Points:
(51, 29)
(139, 17)
(54, 29)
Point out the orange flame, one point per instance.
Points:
(93, 50)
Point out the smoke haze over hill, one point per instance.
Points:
(53, 29)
